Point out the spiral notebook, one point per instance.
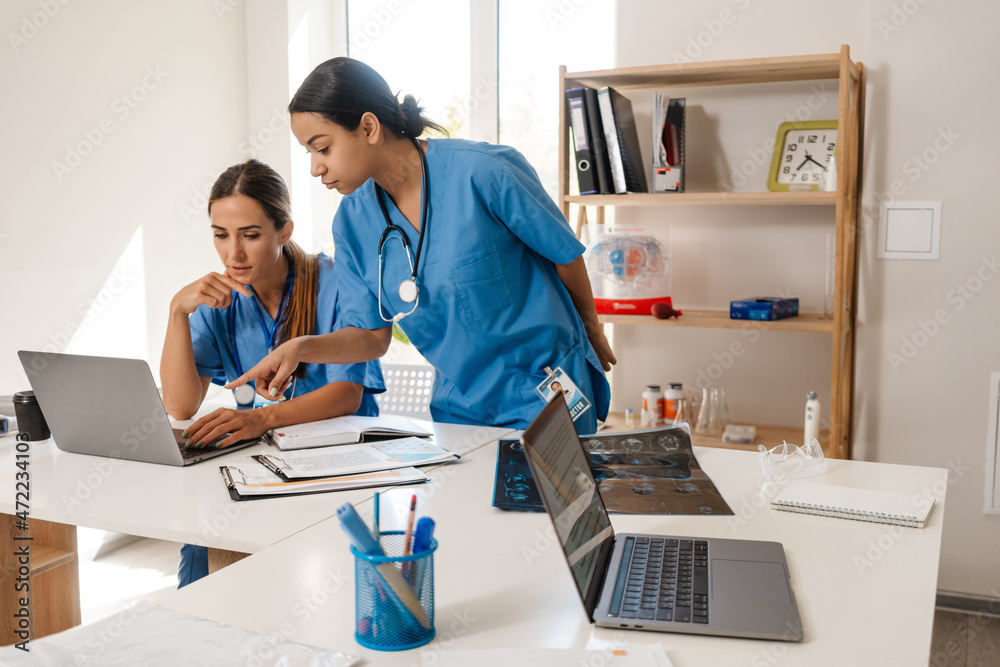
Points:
(900, 509)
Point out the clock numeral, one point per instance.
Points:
(816, 176)
(802, 138)
(788, 158)
(813, 138)
(828, 156)
(793, 147)
(786, 170)
(805, 177)
(830, 147)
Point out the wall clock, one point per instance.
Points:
(805, 156)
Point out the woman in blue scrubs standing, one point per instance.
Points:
(222, 324)
(459, 243)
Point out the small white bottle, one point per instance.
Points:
(813, 411)
(652, 405)
(673, 400)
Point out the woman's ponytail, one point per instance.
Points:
(341, 90)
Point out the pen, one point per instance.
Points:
(409, 526)
(408, 536)
(421, 542)
(377, 533)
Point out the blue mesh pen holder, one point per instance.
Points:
(394, 596)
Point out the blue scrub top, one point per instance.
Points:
(213, 357)
(492, 310)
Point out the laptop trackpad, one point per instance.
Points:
(750, 581)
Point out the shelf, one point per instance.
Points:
(46, 558)
(809, 198)
(768, 435)
(719, 319)
(715, 73)
(842, 205)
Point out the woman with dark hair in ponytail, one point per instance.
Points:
(459, 243)
(220, 325)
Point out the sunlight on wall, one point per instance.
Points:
(115, 324)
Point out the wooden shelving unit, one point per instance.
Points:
(719, 319)
(767, 435)
(53, 584)
(844, 202)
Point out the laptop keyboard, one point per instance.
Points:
(662, 579)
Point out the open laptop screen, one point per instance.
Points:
(569, 492)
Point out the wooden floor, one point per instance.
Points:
(965, 640)
(116, 571)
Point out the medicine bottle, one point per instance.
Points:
(673, 400)
(652, 405)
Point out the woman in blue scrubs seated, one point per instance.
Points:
(224, 323)
(459, 243)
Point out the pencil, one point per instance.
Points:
(409, 526)
(408, 537)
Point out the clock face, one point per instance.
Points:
(807, 157)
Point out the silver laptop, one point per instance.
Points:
(110, 407)
(736, 588)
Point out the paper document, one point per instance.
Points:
(152, 636)
(255, 481)
(343, 430)
(354, 459)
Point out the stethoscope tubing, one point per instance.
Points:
(387, 234)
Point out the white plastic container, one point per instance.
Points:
(673, 402)
(813, 413)
(652, 405)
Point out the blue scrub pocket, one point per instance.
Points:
(481, 289)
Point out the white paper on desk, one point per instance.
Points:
(256, 480)
(640, 656)
(355, 459)
(152, 636)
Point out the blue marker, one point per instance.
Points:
(422, 535)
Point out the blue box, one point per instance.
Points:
(763, 308)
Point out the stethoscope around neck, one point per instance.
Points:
(244, 397)
(408, 291)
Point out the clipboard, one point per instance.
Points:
(233, 479)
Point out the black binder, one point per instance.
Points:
(598, 144)
(625, 156)
(576, 107)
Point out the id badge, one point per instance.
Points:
(558, 382)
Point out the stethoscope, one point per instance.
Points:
(242, 396)
(408, 291)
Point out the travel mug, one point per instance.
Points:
(30, 419)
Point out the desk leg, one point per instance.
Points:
(52, 577)
(220, 558)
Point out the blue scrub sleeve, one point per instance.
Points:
(522, 204)
(207, 358)
(358, 305)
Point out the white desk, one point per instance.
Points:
(865, 592)
(189, 504)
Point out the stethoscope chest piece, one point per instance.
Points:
(244, 396)
(408, 290)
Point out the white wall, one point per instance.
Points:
(144, 161)
(931, 71)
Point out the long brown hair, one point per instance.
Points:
(258, 181)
